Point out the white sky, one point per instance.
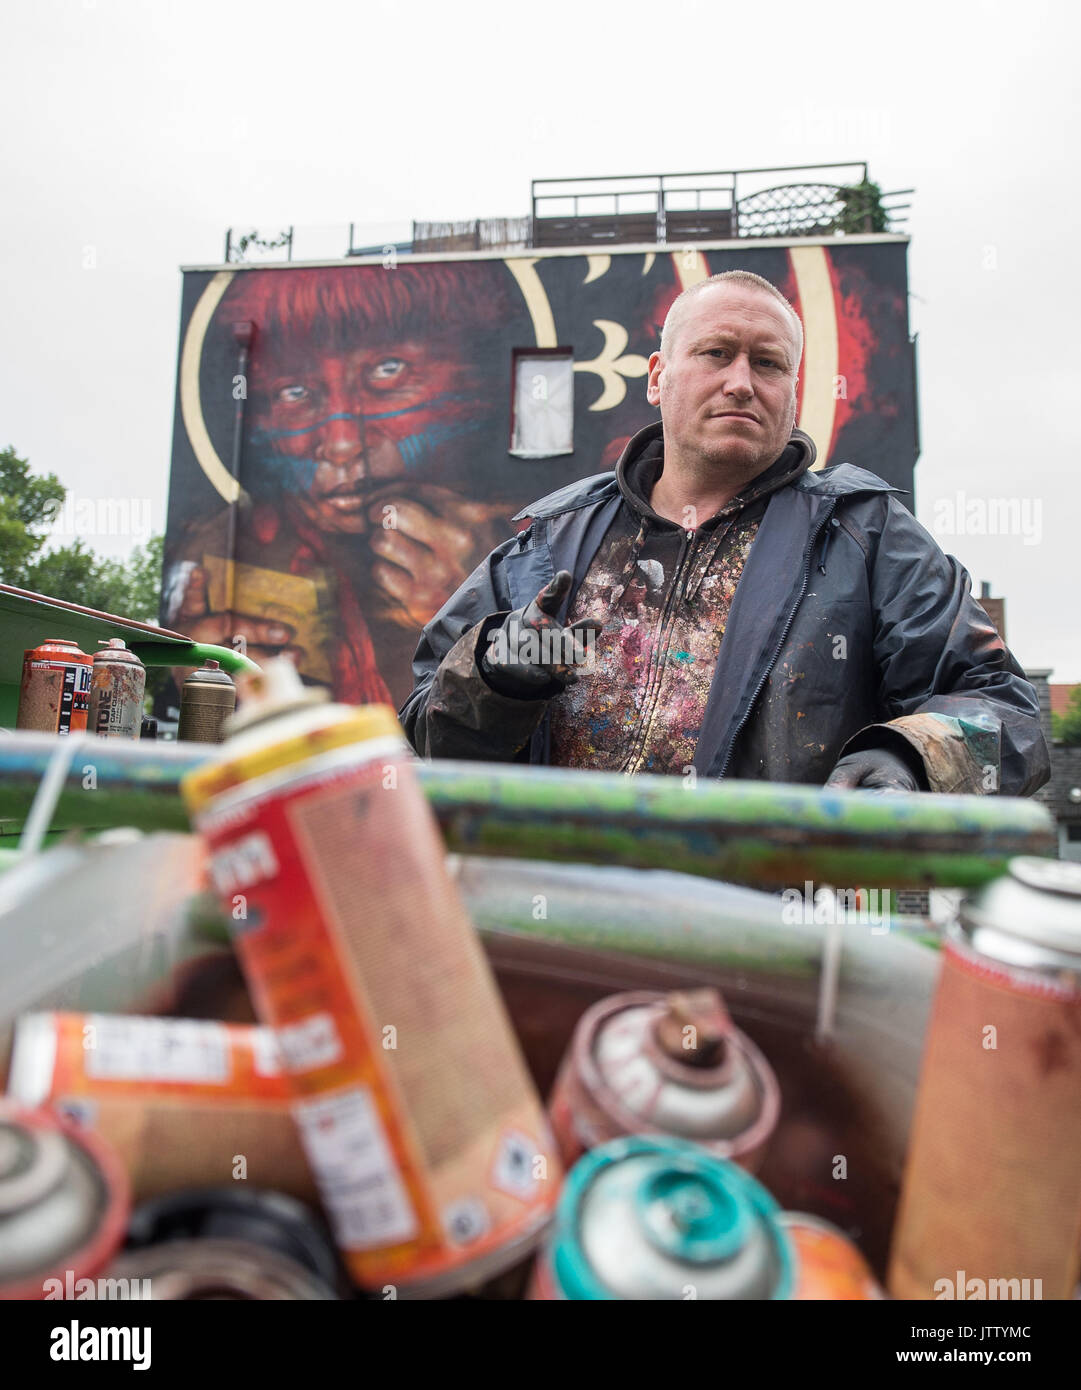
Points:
(143, 130)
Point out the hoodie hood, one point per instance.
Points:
(642, 462)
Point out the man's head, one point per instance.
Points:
(725, 374)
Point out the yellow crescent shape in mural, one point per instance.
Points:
(598, 266)
(191, 405)
(690, 267)
(647, 261)
(540, 311)
(819, 369)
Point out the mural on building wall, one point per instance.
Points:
(372, 421)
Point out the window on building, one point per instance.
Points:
(542, 408)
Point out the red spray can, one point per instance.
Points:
(55, 690)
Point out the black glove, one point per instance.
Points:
(531, 656)
(874, 769)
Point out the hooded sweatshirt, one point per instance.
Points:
(663, 593)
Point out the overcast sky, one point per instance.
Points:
(135, 132)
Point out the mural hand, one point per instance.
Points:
(262, 638)
(425, 545)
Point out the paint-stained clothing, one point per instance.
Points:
(848, 628)
(663, 594)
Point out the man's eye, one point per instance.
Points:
(718, 352)
(291, 395)
(767, 362)
(388, 369)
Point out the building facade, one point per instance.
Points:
(351, 438)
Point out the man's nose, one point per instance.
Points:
(737, 379)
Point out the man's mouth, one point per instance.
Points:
(736, 415)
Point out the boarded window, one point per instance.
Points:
(542, 414)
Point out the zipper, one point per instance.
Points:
(656, 680)
(783, 638)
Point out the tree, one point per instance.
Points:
(28, 505)
(862, 209)
(129, 587)
(1067, 727)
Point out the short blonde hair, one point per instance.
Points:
(748, 280)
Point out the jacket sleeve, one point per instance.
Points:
(952, 688)
(452, 712)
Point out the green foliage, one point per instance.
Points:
(129, 587)
(28, 506)
(862, 210)
(1067, 727)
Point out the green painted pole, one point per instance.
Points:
(762, 833)
(155, 653)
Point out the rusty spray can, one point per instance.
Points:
(54, 695)
(235, 1242)
(828, 1265)
(64, 1204)
(657, 1218)
(422, 1127)
(207, 699)
(178, 1099)
(649, 1063)
(116, 692)
(991, 1196)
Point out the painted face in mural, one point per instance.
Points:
(369, 394)
(333, 428)
(727, 384)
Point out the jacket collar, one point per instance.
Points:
(840, 480)
(642, 463)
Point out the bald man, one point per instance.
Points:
(715, 605)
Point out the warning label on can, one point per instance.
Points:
(348, 1151)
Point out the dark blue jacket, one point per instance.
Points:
(849, 628)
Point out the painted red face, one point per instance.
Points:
(330, 428)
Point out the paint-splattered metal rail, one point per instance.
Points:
(766, 834)
(760, 833)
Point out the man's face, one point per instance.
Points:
(334, 426)
(727, 383)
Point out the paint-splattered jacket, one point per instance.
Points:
(844, 627)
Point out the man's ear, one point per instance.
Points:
(653, 378)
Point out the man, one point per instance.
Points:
(753, 619)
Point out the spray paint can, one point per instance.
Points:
(116, 692)
(828, 1264)
(648, 1063)
(230, 1242)
(183, 1102)
(64, 1204)
(207, 698)
(657, 1218)
(991, 1197)
(55, 692)
(216, 1270)
(421, 1124)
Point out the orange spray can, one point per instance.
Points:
(423, 1129)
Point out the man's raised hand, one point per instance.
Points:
(531, 655)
